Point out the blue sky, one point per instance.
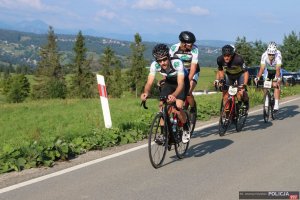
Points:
(209, 19)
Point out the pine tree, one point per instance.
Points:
(245, 49)
(138, 72)
(49, 77)
(117, 86)
(258, 49)
(108, 62)
(19, 89)
(83, 82)
(291, 52)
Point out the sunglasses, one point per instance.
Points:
(271, 55)
(162, 59)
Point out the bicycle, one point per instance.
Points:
(192, 114)
(269, 100)
(232, 111)
(165, 132)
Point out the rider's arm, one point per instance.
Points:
(246, 77)
(149, 84)
(220, 74)
(194, 63)
(277, 75)
(180, 86)
(261, 69)
(192, 70)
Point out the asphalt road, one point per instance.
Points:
(262, 157)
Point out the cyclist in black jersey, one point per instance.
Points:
(176, 85)
(231, 66)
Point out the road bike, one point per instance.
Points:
(232, 110)
(269, 100)
(166, 130)
(191, 113)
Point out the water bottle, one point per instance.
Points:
(174, 124)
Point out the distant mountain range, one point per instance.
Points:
(40, 27)
(22, 47)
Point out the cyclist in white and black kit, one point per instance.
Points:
(231, 66)
(187, 52)
(176, 84)
(270, 66)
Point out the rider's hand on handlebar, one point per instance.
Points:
(144, 96)
(255, 80)
(171, 98)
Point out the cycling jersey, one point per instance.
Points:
(236, 66)
(175, 68)
(271, 65)
(187, 57)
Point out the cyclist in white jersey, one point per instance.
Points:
(176, 84)
(187, 52)
(270, 67)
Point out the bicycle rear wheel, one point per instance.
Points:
(157, 141)
(225, 117)
(193, 118)
(180, 147)
(241, 117)
(266, 107)
(273, 114)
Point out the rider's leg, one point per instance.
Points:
(276, 95)
(180, 113)
(190, 97)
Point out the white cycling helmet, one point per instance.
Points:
(272, 48)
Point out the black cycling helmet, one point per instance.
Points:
(160, 51)
(187, 37)
(227, 50)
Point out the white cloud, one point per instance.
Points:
(165, 20)
(19, 4)
(153, 4)
(269, 18)
(105, 14)
(195, 10)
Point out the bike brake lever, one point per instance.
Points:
(143, 103)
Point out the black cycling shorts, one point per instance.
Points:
(169, 87)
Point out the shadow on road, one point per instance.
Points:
(287, 112)
(211, 146)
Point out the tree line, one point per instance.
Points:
(50, 77)
(290, 50)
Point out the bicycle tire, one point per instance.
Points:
(225, 117)
(273, 115)
(180, 147)
(266, 109)
(241, 117)
(193, 119)
(157, 141)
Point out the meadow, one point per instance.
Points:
(63, 125)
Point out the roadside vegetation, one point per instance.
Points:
(52, 115)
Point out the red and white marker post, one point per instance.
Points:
(104, 101)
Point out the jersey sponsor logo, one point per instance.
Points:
(173, 47)
(176, 64)
(195, 50)
(157, 66)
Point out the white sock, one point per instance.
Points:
(267, 102)
(276, 105)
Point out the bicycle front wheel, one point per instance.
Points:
(241, 117)
(180, 147)
(225, 117)
(266, 107)
(157, 141)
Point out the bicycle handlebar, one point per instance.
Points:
(143, 103)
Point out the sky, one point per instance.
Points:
(266, 20)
